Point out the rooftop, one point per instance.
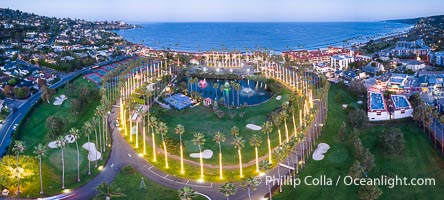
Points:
(376, 101)
(400, 102)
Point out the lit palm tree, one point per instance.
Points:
(266, 166)
(256, 142)
(267, 129)
(277, 122)
(87, 127)
(283, 115)
(187, 193)
(237, 86)
(75, 133)
(219, 138)
(179, 131)
(234, 131)
(279, 155)
(153, 124)
(249, 184)
(199, 140)
(238, 143)
(40, 151)
(18, 148)
(227, 190)
(94, 123)
(215, 87)
(162, 129)
(107, 192)
(61, 143)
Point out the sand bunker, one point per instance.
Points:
(254, 127)
(59, 100)
(93, 154)
(206, 154)
(318, 154)
(279, 97)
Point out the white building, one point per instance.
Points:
(436, 58)
(377, 108)
(401, 107)
(340, 62)
(413, 65)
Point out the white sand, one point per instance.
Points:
(279, 97)
(318, 154)
(206, 154)
(52, 144)
(359, 102)
(344, 105)
(93, 154)
(70, 139)
(254, 127)
(59, 100)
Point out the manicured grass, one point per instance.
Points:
(203, 119)
(418, 160)
(33, 131)
(130, 184)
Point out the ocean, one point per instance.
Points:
(195, 37)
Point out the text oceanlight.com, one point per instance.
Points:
(323, 180)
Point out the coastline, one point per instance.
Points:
(321, 43)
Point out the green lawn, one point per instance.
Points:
(203, 119)
(418, 160)
(33, 131)
(130, 184)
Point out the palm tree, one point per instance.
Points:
(187, 193)
(179, 131)
(234, 131)
(162, 129)
(256, 142)
(228, 189)
(75, 133)
(219, 137)
(232, 91)
(153, 124)
(215, 87)
(435, 116)
(237, 86)
(250, 184)
(40, 150)
(267, 129)
(108, 191)
(441, 122)
(277, 122)
(94, 124)
(18, 148)
(239, 144)
(279, 155)
(199, 140)
(87, 127)
(61, 143)
(283, 115)
(266, 166)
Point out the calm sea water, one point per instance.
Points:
(240, 36)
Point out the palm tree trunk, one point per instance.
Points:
(18, 173)
(95, 131)
(165, 152)
(40, 172)
(220, 162)
(201, 163)
(181, 154)
(78, 161)
(89, 162)
(269, 191)
(154, 145)
(269, 149)
(240, 163)
(249, 193)
(63, 171)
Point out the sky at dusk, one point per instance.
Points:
(230, 10)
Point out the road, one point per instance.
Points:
(6, 131)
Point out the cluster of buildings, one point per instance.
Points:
(395, 107)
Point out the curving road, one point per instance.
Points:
(6, 131)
